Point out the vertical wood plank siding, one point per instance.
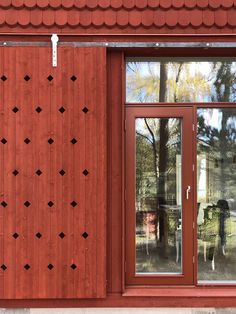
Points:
(53, 173)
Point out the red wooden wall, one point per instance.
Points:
(53, 173)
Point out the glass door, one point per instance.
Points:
(159, 195)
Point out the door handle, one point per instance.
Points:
(188, 191)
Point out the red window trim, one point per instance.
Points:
(188, 267)
(201, 290)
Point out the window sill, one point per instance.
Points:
(181, 291)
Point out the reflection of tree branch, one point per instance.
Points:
(149, 129)
(144, 136)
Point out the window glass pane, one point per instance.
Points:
(158, 195)
(180, 80)
(216, 190)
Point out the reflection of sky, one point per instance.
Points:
(213, 118)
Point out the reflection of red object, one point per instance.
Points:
(149, 219)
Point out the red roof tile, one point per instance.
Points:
(116, 4)
(147, 18)
(153, 3)
(208, 18)
(67, 3)
(141, 4)
(215, 3)
(11, 19)
(17, 3)
(85, 18)
(110, 18)
(122, 18)
(49, 18)
(30, 3)
(202, 4)
(36, 17)
(171, 18)
(73, 18)
(159, 18)
(227, 3)
(128, 4)
(24, 18)
(97, 19)
(61, 17)
(190, 3)
(80, 3)
(196, 18)
(55, 3)
(104, 4)
(184, 18)
(111, 15)
(2, 17)
(92, 4)
(135, 17)
(43, 3)
(231, 17)
(5, 3)
(178, 3)
(166, 4)
(221, 18)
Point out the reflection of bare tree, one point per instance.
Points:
(225, 79)
(219, 141)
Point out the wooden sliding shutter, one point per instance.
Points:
(52, 173)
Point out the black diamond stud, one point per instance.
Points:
(4, 204)
(73, 141)
(15, 109)
(50, 204)
(85, 172)
(3, 78)
(15, 235)
(38, 109)
(27, 78)
(62, 110)
(4, 267)
(73, 204)
(50, 141)
(73, 78)
(50, 78)
(85, 110)
(27, 204)
(62, 172)
(38, 172)
(85, 235)
(38, 235)
(62, 235)
(3, 140)
(50, 266)
(15, 172)
(27, 141)
(27, 267)
(73, 266)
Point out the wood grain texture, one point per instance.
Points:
(50, 202)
